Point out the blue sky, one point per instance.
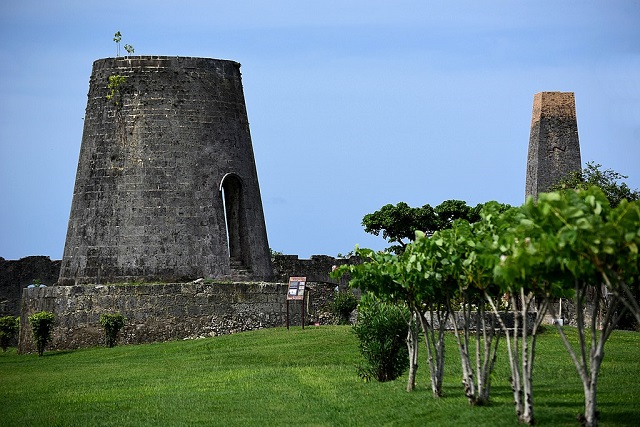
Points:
(352, 104)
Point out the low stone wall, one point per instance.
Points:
(164, 312)
(15, 275)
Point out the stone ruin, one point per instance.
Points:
(166, 188)
(167, 192)
(554, 148)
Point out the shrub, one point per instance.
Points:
(112, 323)
(41, 328)
(342, 306)
(381, 330)
(9, 326)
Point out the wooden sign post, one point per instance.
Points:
(297, 288)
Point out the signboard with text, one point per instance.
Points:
(297, 287)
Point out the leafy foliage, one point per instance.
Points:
(112, 323)
(569, 244)
(342, 306)
(399, 223)
(381, 329)
(608, 180)
(9, 326)
(117, 37)
(115, 88)
(576, 245)
(274, 253)
(41, 328)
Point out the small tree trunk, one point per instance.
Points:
(412, 346)
(523, 401)
(588, 361)
(527, 415)
(486, 363)
(435, 347)
(463, 348)
(590, 417)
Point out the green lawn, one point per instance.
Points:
(290, 377)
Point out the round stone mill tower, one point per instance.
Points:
(166, 188)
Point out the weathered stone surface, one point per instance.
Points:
(554, 148)
(164, 312)
(315, 269)
(166, 187)
(18, 274)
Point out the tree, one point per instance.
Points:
(41, 328)
(382, 275)
(403, 278)
(609, 181)
(112, 323)
(451, 210)
(431, 306)
(577, 246)
(465, 279)
(117, 37)
(509, 237)
(380, 329)
(9, 326)
(398, 224)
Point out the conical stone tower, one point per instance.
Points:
(166, 188)
(554, 148)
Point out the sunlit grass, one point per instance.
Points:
(290, 377)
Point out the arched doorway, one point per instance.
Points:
(231, 189)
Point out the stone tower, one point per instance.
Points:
(554, 149)
(166, 188)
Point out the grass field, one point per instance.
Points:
(297, 377)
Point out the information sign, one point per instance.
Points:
(296, 292)
(296, 288)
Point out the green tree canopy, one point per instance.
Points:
(398, 224)
(609, 181)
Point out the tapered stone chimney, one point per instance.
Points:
(554, 149)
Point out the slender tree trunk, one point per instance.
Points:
(485, 363)
(440, 347)
(435, 349)
(590, 359)
(520, 353)
(412, 346)
(463, 347)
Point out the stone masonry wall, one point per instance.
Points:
(315, 269)
(160, 158)
(554, 147)
(164, 312)
(16, 275)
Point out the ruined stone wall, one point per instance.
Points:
(167, 311)
(18, 274)
(162, 154)
(315, 269)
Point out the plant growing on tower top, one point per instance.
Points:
(117, 37)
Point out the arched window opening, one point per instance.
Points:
(231, 188)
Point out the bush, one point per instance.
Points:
(112, 323)
(41, 328)
(382, 330)
(342, 306)
(9, 326)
